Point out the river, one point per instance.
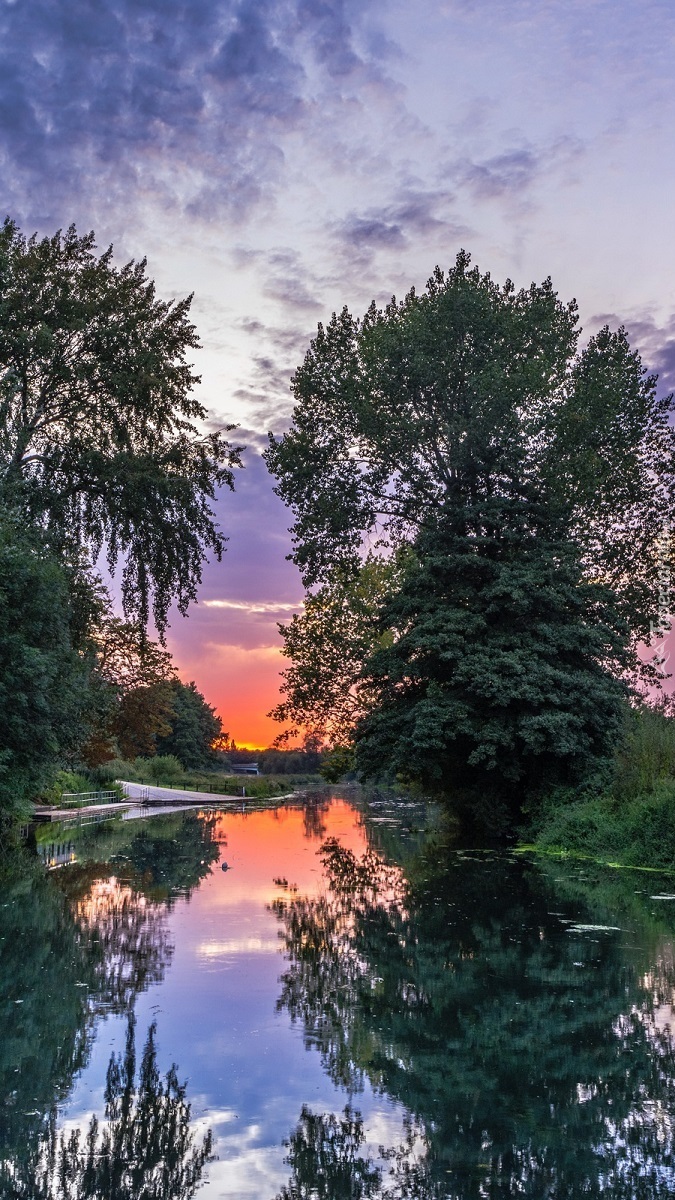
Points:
(327, 1001)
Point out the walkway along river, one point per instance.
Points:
(355, 1009)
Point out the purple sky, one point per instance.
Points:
(281, 158)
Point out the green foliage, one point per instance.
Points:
(99, 439)
(627, 816)
(494, 685)
(435, 414)
(327, 645)
(442, 399)
(646, 755)
(66, 781)
(638, 832)
(194, 727)
(340, 761)
(43, 680)
(300, 761)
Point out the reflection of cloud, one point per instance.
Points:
(241, 945)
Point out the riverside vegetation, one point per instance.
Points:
(482, 516)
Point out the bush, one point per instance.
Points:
(637, 833)
(628, 817)
(65, 781)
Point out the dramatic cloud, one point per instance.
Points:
(183, 101)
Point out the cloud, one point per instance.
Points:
(504, 173)
(511, 174)
(413, 213)
(108, 102)
(255, 606)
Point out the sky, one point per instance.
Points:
(282, 158)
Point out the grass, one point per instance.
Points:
(631, 820)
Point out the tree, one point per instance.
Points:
(327, 645)
(193, 728)
(467, 396)
(43, 679)
(525, 1050)
(144, 1148)
(99, 438)
(501, 674)
(447, 396)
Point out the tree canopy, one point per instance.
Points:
(102, 440)
(464, 429)
(459, 393)
(43, 678)
(193, 727)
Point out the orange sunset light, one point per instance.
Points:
(241, 684)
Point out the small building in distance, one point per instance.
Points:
(246, 768)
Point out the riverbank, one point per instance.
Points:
(629, 817)
(639, 832)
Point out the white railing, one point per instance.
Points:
(83, 799)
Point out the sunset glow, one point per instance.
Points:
(281, 161)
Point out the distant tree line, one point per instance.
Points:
(101, 453)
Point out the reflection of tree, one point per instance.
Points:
(175, 866)
(329, 1162)
(76, 943)
(526, 1053)
(46, 974)
(315, 805)
(130, 943)
(324, 1155)
(144, 1150)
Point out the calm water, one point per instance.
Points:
(354, 1009)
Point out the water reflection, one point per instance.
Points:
(471, 1025)
(76, 944)
(520, 1032)
(144, 1149)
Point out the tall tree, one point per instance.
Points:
(43, 679)
(102, 439)
(500, 676)
(130, 690)
(449, 402)
(193, 727)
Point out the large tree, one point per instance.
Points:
(102, 440)
(133, 679)
(451, 395)
(43, 679)
(193, 727)
(449, 402)
(498, 675)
